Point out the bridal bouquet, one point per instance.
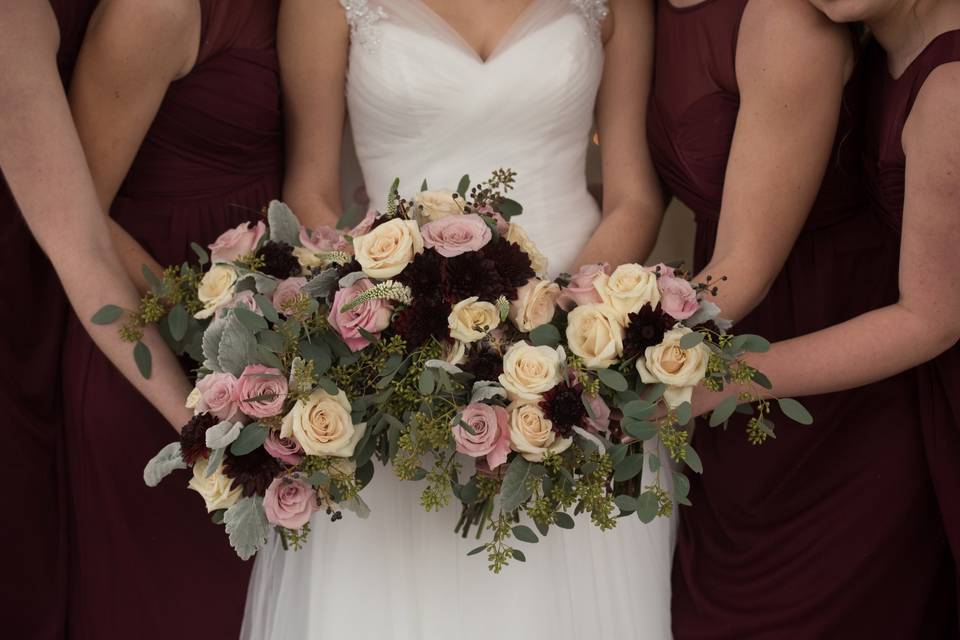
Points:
(429, 337)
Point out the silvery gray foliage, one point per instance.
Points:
(213, 462)
(263, 284)
(211, 344)
(322, 285)
(284, 226)
(707, 311)
(246, 524)
(591, 439)
(351, 279)
(163, 464)
(238, 346)
(358, 507)
(443, 365)
(486, 390)
(223, 434)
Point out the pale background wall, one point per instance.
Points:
(676, 235)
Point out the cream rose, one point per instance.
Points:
(627, 289)
(455, 353)
(532, 434)
(217, 491)
(216, 289)
(516, 235)
(594, 333)
(530, 371)
(441, 203)
(389, 248)
(308, 259)
(322, 425)
(471, 320)
(680, 369)
(535, 304)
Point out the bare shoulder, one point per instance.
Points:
(791, 39)
(931, 135)
(166, 32)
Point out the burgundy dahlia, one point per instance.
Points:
(425, 319)
(473, 274)
(193, 438)
(279, 260)
(645, 328)
(511, 262)
(483, 364)
(563, 406)
(424, 275)
(252, 472)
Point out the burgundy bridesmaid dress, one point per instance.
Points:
(148, 563)
(828, 531)
(891, 101)
(33, 579)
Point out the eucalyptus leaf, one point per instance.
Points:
(351, 217)
(524, 533)
(155, 283)
(515, 489)
(270, 340)
(476, 550)
(630, 467)
(423, 185)
(251, 437)
(202, 256)
(426, 383)
(320, 353)
(639, 429)
(269, 358)
(223, 434)
(691, 340)
(108, 314)
(509, 208)
(681, 486)
(638, 409)
(613, 379)
(693, 459)
(141, 355)
(723, 411)
(168, 460)
(545, 335)
(653, 462)
(762, 380)
(626, 503)
(683, 412)
(284, 226)
(647, 507)
(247, 526)
(328, 385)
(795, 411)
(177, 321)
(563, 520)
(463, 186)
(518, 555)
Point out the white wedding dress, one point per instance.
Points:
(423, 105)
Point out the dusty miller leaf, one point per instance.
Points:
(284, 226)
(223, 434)
(163, 464)
(246, 524)
(238, 347)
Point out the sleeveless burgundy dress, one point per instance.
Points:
(829, 530)
(32, 488)
(148, 563)
(891, 101)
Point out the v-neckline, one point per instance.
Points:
(503, 41)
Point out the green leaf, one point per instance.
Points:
(613, 379)
(267, 308)
(693, 459)
(270, 340)
(217, 516)
(563, 520)
(470, 492)
(319, 353)
(723, 411)
(251, 320)
(284, 226)
(247, 526)
(178, 321)
(795, 411)
(168, 460)
(515, 489)
(351, 217)
(141, 355)
(202, 256)
(251, 438)
(625, 503)
(654, 392)
(151, 278)
(518, 555)
(683, 413)
(647, 507)
(423, 185)
(639, 429)
(238, 346)
(653, 462)
(681, 486)
(546, 335)
(328, 385)
(638, 409)
(427, 382)
(631, 466)
(476, 550)
(762, 380)
(691, 340)
(269, 358)
(319, 478)
(108, 314)
(750, 343)
(542, 527)
(525, 534)
(463, 186)
(617, 453)
(509, 208)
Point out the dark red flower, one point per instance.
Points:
(252, 472)
(426, 318)
(511, 263)
(563, 406)
(483, 364)
(424, 275)
(645, 328)
(279, 260)
(473, 274)
(193, 438)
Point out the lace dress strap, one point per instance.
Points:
(594, 12)
(363, 16)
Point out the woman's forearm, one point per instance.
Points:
(626, 234)
(134, 257)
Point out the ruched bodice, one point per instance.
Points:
(528, 107)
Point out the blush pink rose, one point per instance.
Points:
(261, 391)
(218, 395)
(237, 242)
(324, 239)
(677, 297)
(284, 449)
(364, 226)
(663, 270)
(372, 317)
(243, 300)
(581, 291)
(601, 412)
(491, 437)
(289, 502)
(286, 291)
(455, 235)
